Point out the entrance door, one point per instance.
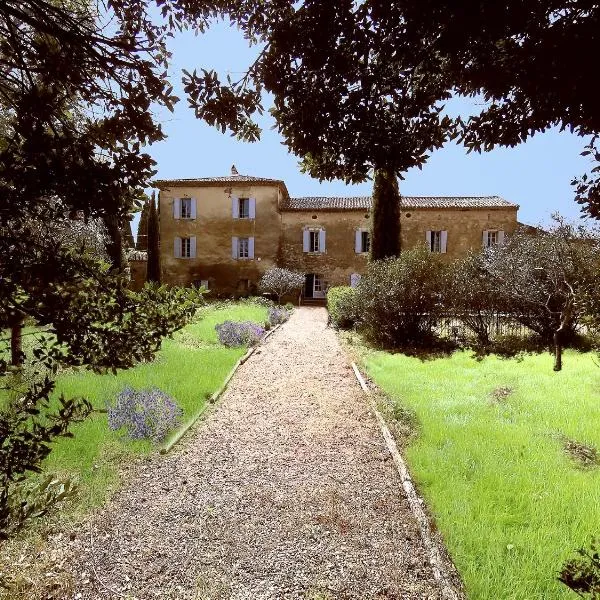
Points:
(309, 285)
(318, 286)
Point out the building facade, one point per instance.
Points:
(225, 232)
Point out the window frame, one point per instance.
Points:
(186, 247)
(314, 241)
(435, 244)
(492, 234)
(243, 248)
(185, 213)
(365, 241)
(243, 203)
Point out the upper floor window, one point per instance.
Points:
(185, 247)
(437, 241)
(184, 208)
(243, 208)
(313, 245)
(492, 237)
(242, 247)
(362, 241)
(313, 240)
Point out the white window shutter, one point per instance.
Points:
(193, 203)
(322, 247)
(252, 208)
(234, 247)
(485, 238)
(204, 283)
(177, 208)
(306, 240)
(251, 247)
(428, 239)
(444, 242)
(235, 207)
(354, 279)
(177, 247)
(193, 247)
(358, 241)
(500, 237)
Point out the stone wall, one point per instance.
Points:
(214, 227)
(278, 236)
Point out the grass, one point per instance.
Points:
(491, 460)
(189, 367)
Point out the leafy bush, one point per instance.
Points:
(341, 304)
(234, 334)
(289, 307)
(582, 573)
(145, 414)
(400, 300)
(277, 316)
(280, 282)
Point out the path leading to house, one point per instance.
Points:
(285, 491)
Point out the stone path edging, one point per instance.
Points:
(449, 590)
(212, 400)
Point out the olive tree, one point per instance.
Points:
(281, 282)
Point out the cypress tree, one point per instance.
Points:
(153, 266)
(126, 234)
(385, 234)
(142, 232)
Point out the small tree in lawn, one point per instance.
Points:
(544, 280)
(473, 299)
(280, 282)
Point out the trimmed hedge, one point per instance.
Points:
(341, 303)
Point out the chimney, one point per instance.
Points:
(234, 171)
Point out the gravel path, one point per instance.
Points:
(285, 491)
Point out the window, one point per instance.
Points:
(186, 208)
(365, 241)
(243, 248)
(313, 245)
(244, 208)
(435, 241)
(491, 238)
(186, 248)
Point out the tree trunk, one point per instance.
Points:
(153, 265)
(16, 343)
(114, 247)
(385, 234)
(557, 350)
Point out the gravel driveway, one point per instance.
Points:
(285, 491)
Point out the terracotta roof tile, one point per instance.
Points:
(224, 179)
(366, 202)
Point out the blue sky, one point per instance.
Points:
(535, 175)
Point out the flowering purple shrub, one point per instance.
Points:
(233, 334)
(146, 414)
(278, 315)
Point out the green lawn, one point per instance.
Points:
(190, 368)
(510, 503)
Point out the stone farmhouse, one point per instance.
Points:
(225, 232)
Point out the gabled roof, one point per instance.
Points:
(407, 202)
(229, 180)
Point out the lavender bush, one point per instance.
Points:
(233, 334)
(145, 414)
(278, 315)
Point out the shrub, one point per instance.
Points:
(277, 316)
(145, 414)
(280, 282)
(341, 304)
(234, 334)
(582, 573)
(267, 326)
(400, 300)
(289, 306)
